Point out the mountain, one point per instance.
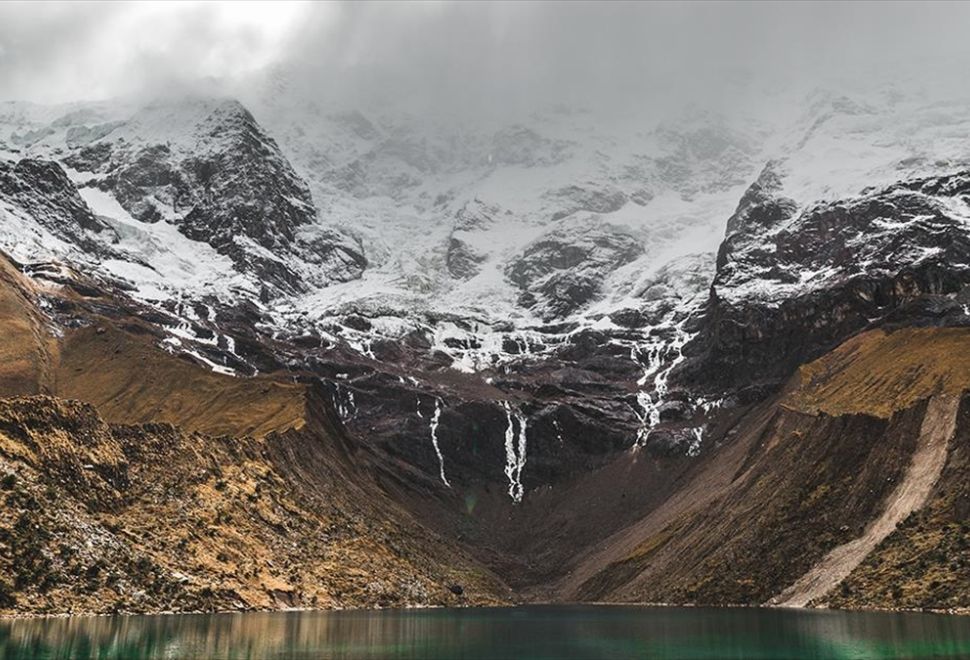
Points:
(695, 358)
(173, 488)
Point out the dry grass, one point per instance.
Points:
(880, 373)
(100, 518)
(923, 565)
(183, 489)
(127, 377)
(25, 348)
(131, 381)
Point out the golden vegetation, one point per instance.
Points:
(151, 483)
(879, 373)
(922, 565)
(25, 350)
(127, 376)
(103, 518)
(132, 381)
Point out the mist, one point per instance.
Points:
(471, 59)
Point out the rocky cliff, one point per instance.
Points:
(691, 369)
(201, 492)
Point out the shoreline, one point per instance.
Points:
(958, 611)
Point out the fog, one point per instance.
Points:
(467, 58)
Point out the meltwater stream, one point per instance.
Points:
(519, 633)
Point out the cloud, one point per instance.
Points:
(512, 56)
(470, 56)
(66, 51)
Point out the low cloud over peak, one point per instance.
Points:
(469, 57)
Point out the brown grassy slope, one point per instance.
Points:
(26, 347)
(130, 380)
(811, 478)
(101, 518)
(925, 563)
(911, 493)
(127, 376)
(150, 511)
(880, 373)
(803, 485)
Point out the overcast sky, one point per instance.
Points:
(466, 54)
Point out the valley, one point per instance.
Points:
(260, 355)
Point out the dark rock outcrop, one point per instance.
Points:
(789, 288)
(563, 271)
(587, 197)
(231, 188)
(42, 191)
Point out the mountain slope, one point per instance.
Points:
(101, 518)
(910, 495)
(26, 351)
(827, 466)
(667, 359)
(226, 493)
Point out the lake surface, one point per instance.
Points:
(523, 632)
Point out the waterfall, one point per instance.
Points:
(662, 355)
(515, 445)
(434, 437)
(346, 405)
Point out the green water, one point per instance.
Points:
(525, 632)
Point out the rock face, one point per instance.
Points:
(504, 327)
(789, 287)
(40, 190)
(464, 260)
(562, 271)
(588, 198)
(519, 145)
(221, 180)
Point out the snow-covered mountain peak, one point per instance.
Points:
(554, 218)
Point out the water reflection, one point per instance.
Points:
(528, 632)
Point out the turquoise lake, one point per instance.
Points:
(521, 632)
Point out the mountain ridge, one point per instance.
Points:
(515, 328)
